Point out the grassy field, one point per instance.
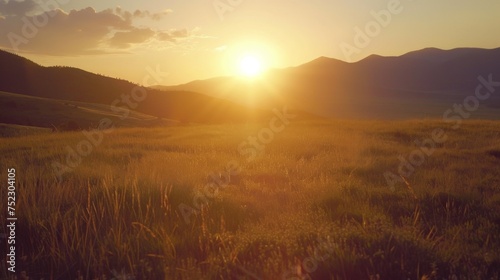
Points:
(192, 202)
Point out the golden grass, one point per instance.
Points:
(317, 189)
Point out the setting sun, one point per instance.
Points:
(231, 139)
(250, 66)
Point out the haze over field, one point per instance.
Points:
(230, 139)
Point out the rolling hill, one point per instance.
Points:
(422, 83)
(419, 84)
(24, 110)
(21, 76)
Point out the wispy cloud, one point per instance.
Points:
(174, 34)
(142, 14)
(123, 39)
(78, 32)
(221, 48)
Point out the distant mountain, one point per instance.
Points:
(418, 84)
(422, 83)
(21, 76)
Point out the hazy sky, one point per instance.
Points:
(202, 39)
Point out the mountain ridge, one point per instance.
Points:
(417, 84)
(375, 87)
(22, 76)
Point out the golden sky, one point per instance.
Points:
(201, 39)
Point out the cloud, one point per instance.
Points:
(142, 14)
(61, 33)
(77, 32)
(124, 39)
(153, 16)
(15, 7)
(173, 35)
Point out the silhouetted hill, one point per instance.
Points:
(422, 83)
(19, 75)
(24, 110)
(431, 69)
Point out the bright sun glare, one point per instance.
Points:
(250, 66)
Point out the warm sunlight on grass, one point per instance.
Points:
(316, 194)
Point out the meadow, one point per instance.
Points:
(312, 204)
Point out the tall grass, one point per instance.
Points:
(318, 185)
